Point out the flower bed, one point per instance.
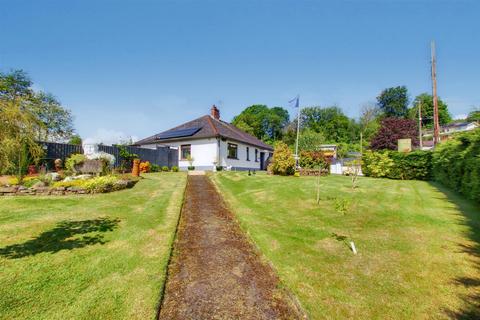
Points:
(102, 184)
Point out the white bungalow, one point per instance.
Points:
(210, 141)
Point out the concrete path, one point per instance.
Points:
(215, 272)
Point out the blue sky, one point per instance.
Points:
(134, 68)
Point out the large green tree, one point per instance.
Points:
(334, 125)
(15, 84)
(393, 102)
(57, 121)
(53, 121)
(425, 100)
(263, 122)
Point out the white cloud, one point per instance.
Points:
(109, 137)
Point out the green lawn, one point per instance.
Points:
(418, 244)
(88, 257)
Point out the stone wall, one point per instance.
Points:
(58, 191)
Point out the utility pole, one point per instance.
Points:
(420, 139)
(436, 126)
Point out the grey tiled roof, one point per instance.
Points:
(209, 128)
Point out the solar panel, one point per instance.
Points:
(178, 133)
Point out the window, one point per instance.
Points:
(185, 151)
(256, 155)
(248, 154)
(232, 151)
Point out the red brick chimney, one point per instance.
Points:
(215, 113)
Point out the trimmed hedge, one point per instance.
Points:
(416, 165)
(456, 164)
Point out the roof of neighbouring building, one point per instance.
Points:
(204, 127)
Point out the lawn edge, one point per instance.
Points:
(282, 285)
(171, 246)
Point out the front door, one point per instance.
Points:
(262, 160)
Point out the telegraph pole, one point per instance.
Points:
(436, 126)
(420, 140)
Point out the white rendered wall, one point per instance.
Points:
(203, 151)
(241, 162)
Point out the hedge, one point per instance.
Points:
(456, 164)
(416, 165)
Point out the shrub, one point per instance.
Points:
(72, 161)
(26, 181)
(72, 183)
(283, 162)
(165, 169)
(416, 165)
(175, 169)
(313, 160)
(456, 164)
(145, 167)
(100, 184)
(191, 168)
(219, 168)
(154, 168)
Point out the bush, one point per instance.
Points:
(154, 168)
(191, 168)
(219, 168)
(100, 184)
(175, 169)
(145, 167)
(72, 183)
(283, 162)
(456, 164)
(72, 161)
(313, 160)
(165, 169)
(416, 165)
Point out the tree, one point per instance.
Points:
(331, 122)
(15, 84)
(474, 115)
(18, 147)
(309, 140)
(369, 121)
(75, 139)
(393, 102)
(262, 122)
(57, 122)
(391, 130)
(426, 101)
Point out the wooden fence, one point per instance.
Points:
(162, 156)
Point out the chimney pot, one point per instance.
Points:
(215, 113)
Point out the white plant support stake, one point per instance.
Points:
(353, 247)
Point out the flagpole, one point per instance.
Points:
(298, 131)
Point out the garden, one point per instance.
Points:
(98, 257)
(417, 245)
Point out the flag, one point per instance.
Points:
(295, 100)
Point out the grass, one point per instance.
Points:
(418, 244)
(98, 256)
